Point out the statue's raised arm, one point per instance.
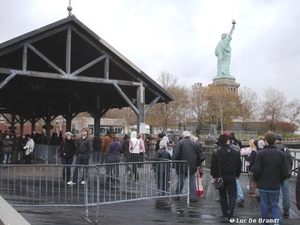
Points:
(232, 28)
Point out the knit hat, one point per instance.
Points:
(226, 133)
(68, 134)
(261, 144)
(278, 137)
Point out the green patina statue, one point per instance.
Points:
(223, 52)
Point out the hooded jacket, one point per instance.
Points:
(134, 143)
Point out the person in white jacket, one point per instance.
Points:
(134, 149)
(29, 147)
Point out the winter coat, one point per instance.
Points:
(18, 144)
(298, 190)
(67, 148)
(29, 147)
(270, 168)
(84, 146)
(134, 143)
(105, 144)
(230, 161)
(7, 146)
(115, 148)
(162, 154)
(288, 156)
(189, 150)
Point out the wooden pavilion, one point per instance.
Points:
(64, 68)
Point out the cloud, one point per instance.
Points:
(180, 36)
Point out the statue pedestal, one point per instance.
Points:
(228, 82)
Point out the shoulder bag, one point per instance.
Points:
(219, 184)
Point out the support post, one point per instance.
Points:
(141, 107)
(97, 116)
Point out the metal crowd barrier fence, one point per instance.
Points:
(47, 153)
(44, 185)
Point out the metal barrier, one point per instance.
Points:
(44, 185)
(47, 153)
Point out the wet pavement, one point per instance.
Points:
(163, 210)
(146, 212)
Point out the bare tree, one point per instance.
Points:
(181, 106)
(292, 111)
(248, 107)
(223, 105)
(273, 107)
(168, 115)
(126, 113)
(198, 105)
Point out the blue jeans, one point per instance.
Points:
(285, 187)
(192, 183)
(66, 169)
(269, 199)
(110, 169)
(240, 194)
(6, 157)
(228, 203)
(81, 160)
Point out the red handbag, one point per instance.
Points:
(199, 187)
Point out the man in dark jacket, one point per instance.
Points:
(298, 189)
(285, 185)
(189, 150)
(84, 150)
(226, 163)
(269, 171)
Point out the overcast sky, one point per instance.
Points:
(180, 36)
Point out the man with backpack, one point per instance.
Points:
(285, 185)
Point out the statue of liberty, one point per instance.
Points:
(223, 52)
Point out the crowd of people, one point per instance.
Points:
(16, 148)
(268, 163)
(269, 166)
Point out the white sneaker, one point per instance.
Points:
(83, 182)
(71, 183)
(249, 188)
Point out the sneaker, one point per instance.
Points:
(71, 183)
(193, 200)
(249, 188)
(83, 182)
(229, 215)
(241, 203)
(286, 214)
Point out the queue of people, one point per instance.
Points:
(16, 148)
(268, 163)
